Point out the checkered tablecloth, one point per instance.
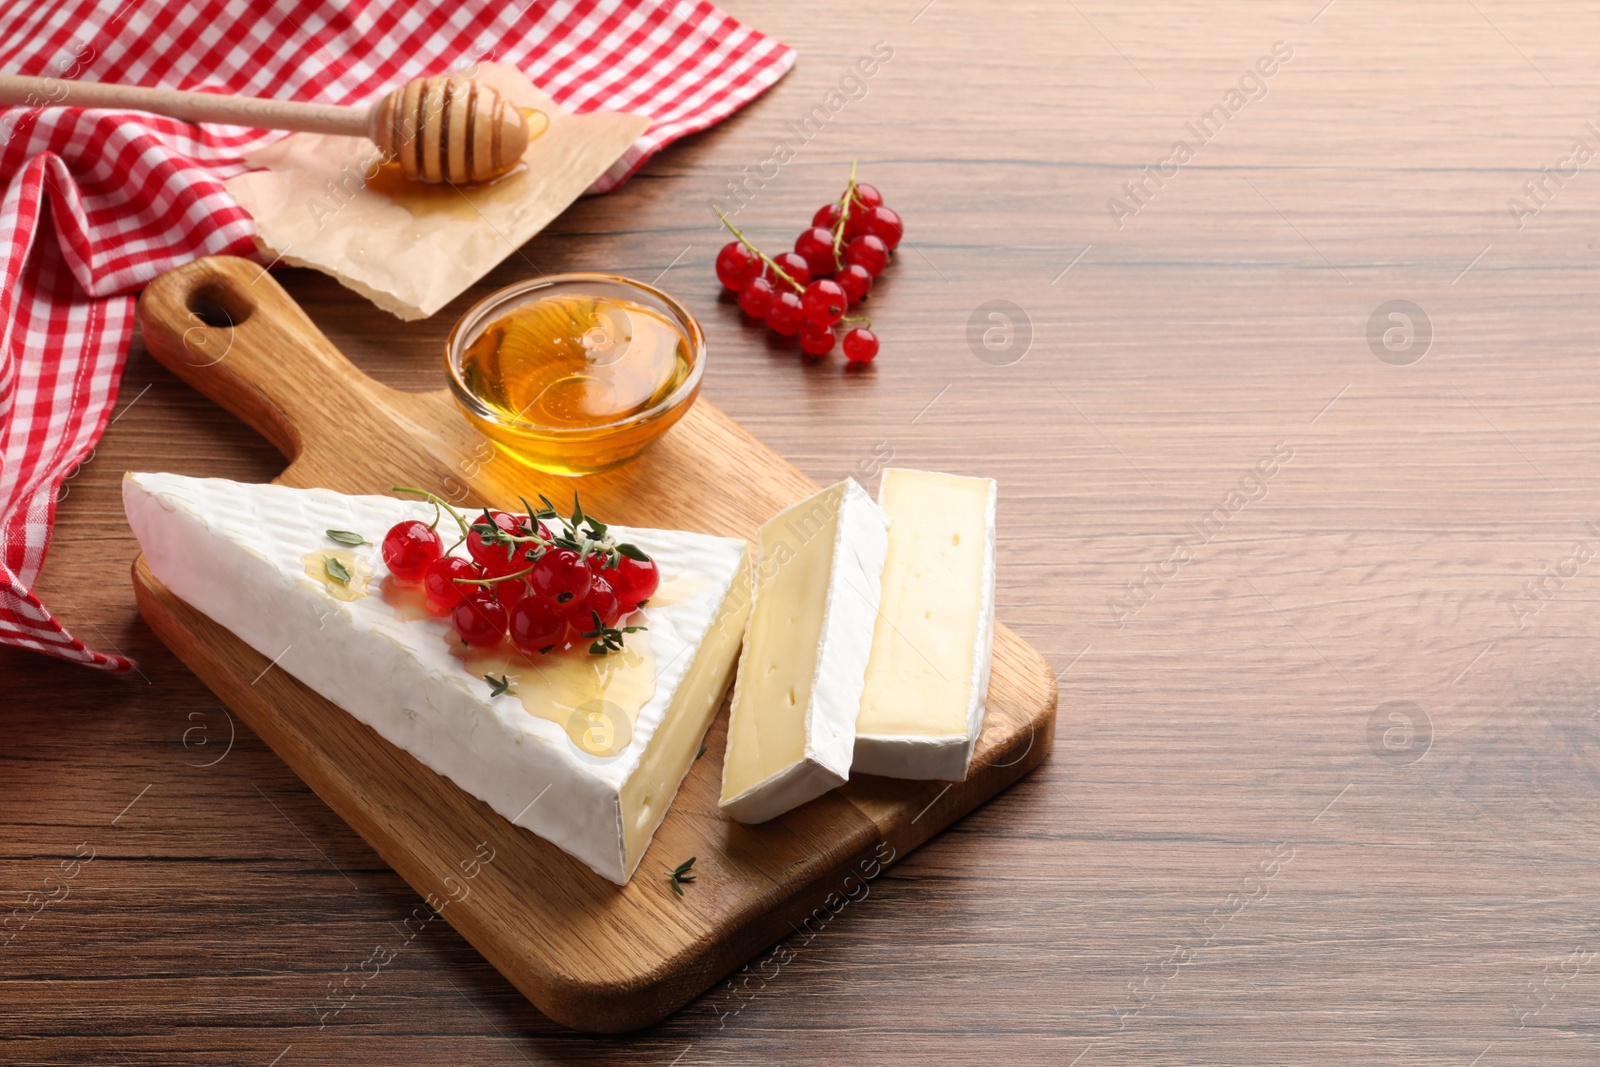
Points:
(99, 202)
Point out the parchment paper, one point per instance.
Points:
(323, 202)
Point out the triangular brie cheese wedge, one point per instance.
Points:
(928, 676)
(792, 728)
(588, 752)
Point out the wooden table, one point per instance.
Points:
(1319, 572)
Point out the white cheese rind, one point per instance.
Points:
(920, 520)
(233, 551)
(835, 645)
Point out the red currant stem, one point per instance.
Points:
(490, 581)
(866, 323)
(844, 211)
(437, 502)
(779, 271)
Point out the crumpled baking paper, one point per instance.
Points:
(324, 202)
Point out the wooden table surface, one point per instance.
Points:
(1318, 570)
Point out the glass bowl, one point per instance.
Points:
(594, 443)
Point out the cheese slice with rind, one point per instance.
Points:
(791, 730)
(587, 752)
(923, 704)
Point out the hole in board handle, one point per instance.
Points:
(219, 305)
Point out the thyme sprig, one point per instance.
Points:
(682, 874)
(607, 639)
(500, 686)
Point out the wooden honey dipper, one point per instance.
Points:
(440, 129)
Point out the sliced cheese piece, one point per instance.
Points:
(587, 752)
(922, 707)
(792, 726)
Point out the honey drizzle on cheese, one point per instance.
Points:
(596, 699)
(316, 565)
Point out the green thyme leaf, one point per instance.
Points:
(345, 537)
(702, 752)
(633, 552)
(336, 570)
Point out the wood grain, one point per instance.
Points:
(589, 954)
(1430, 911)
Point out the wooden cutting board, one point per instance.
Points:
(590, 954)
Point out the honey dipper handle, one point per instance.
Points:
(20, 91)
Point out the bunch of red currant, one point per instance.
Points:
(547, 588)
(832, 268)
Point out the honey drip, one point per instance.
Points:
(595, 699)
(360, 571)
(576, 361)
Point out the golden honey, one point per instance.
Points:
(576, 378)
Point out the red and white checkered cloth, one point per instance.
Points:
(97, 203)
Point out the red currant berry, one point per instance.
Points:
(816, 340)
(602, 599)
(884, 224)
(860, 345)
(815, 246)
(635, 581)
(824, 302)
(794, 266)
(561, 577)
(756, 297)
(513, 592)
(497, 558)
(867, 197)
(785, 314)
(736, 265)
(480, 621)
(536, 626)
(869, 253)
(409, 547)
(856, 282)
(440, 586)
(827, 216)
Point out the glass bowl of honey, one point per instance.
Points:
(575, 373)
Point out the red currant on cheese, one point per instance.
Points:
(785, 314)
(756, 297)
(603, 599)
(635, 581)
(513, 592)
(794, 266)
(860, 345)
(869, 253)
(816, 339)
(561, 577)
(440, 586)
(409, 547)
(481, 621)
(502, 559)
(736, 265)
(824, 302)
(815, 246)
(883, 223)
(536, 626)
(855, 281)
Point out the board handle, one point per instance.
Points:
(226, 327)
